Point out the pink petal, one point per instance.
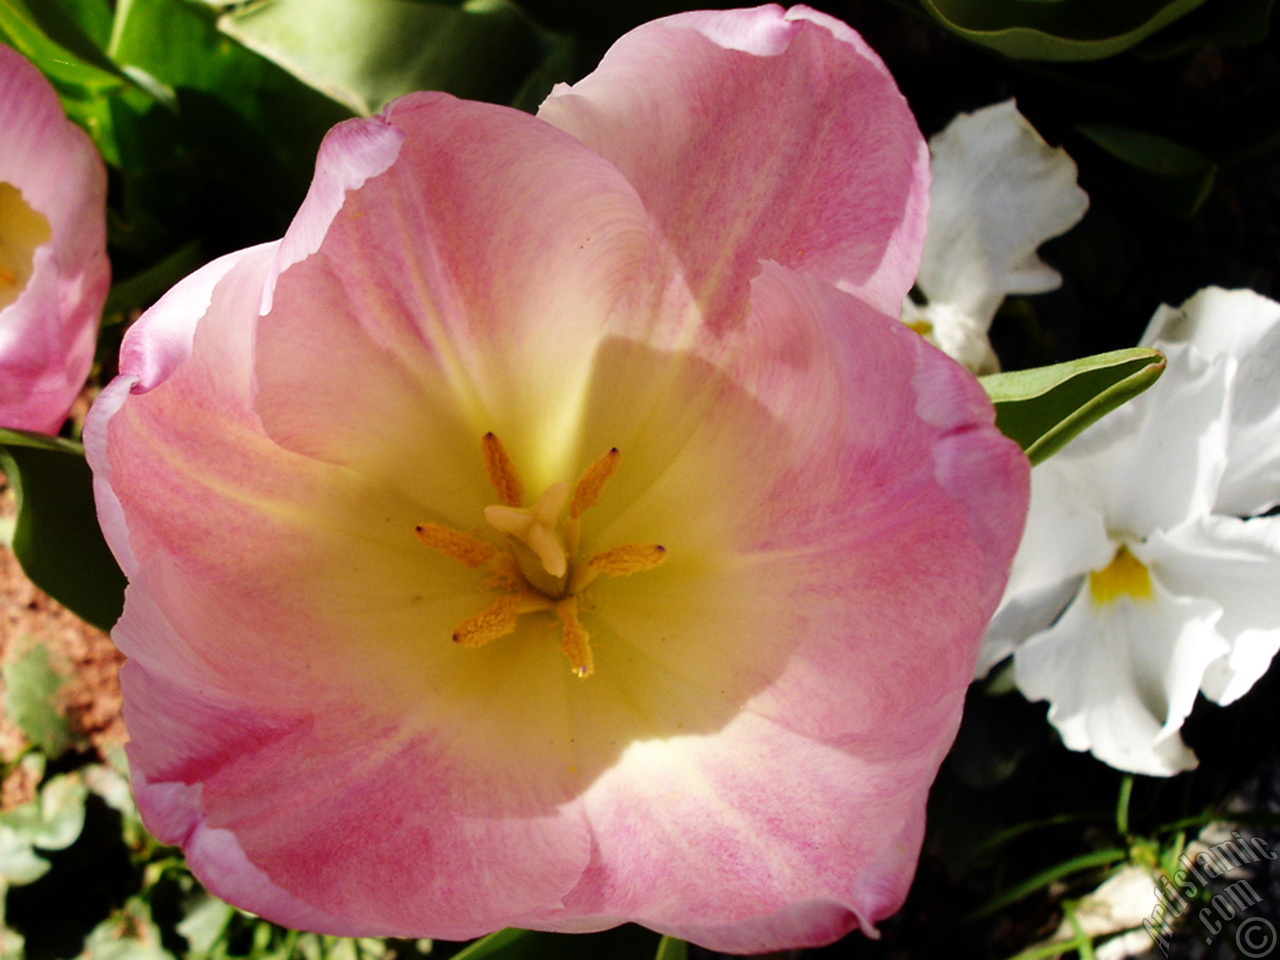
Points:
(761, 134)
(47, 334)
(477, 276)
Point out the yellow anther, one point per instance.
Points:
(499, 620)
(1126, 575)
(575, 642)
(468, 550)
(922, 327)
(592, 481)
(628, 558)
(501, 471)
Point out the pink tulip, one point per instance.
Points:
(414, 652)
(54, 273)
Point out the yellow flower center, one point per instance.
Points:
(1124, 576)
(540, 570)
(22, 230)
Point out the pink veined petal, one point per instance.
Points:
(809, 642)
(47, 334)
(699, 827)
(324, 724)
(761, 134)
(477, 275)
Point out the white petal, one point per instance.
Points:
(999, 191)
(1122, 677)
(1236, 564)
(1065, 538)
(1158, 461)
(1246, 326)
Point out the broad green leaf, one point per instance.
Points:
(231, 160)
(1057, 29)
(31, 700)
(1044, 408)
(27, 33)
(669, 948)
(1171, 177)
(363, 53)
(76, 26)
(56, 536)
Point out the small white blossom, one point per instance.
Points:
(999, 191)
(1146, 574)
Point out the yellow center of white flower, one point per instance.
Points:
(22, 230)
(1124, 576)
(540, 569)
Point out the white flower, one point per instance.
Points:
(1146, 574)
(999, 191)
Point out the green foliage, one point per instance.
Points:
(56, 537)
(1057, 29)
(1172, 178)
(32, 686)
(51, 821)
(1044, 408)
(363, 53)
(621, 943)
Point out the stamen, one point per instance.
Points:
(922, 327)
(628, 558)
(501, 471)
(468, 550)
(575, 642)
(499, 620)
(592, 481)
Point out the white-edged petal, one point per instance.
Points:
(1246, 326)
(1065, 538)
(1121, 677)
(999, 191)
(1235, 563)
(1158, 461)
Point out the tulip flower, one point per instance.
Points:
(1147, 574)
(556, 528)
(53, 262)
(999, 191)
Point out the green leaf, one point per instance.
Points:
(620, 943)
(63, 38)
(56, 536)
(231, 159)
(669, 948)
(1044, 408)
(129, 934)
(363, 53)
(1057, 29)
(51, 821)
(31, 700)
(1171, 177)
